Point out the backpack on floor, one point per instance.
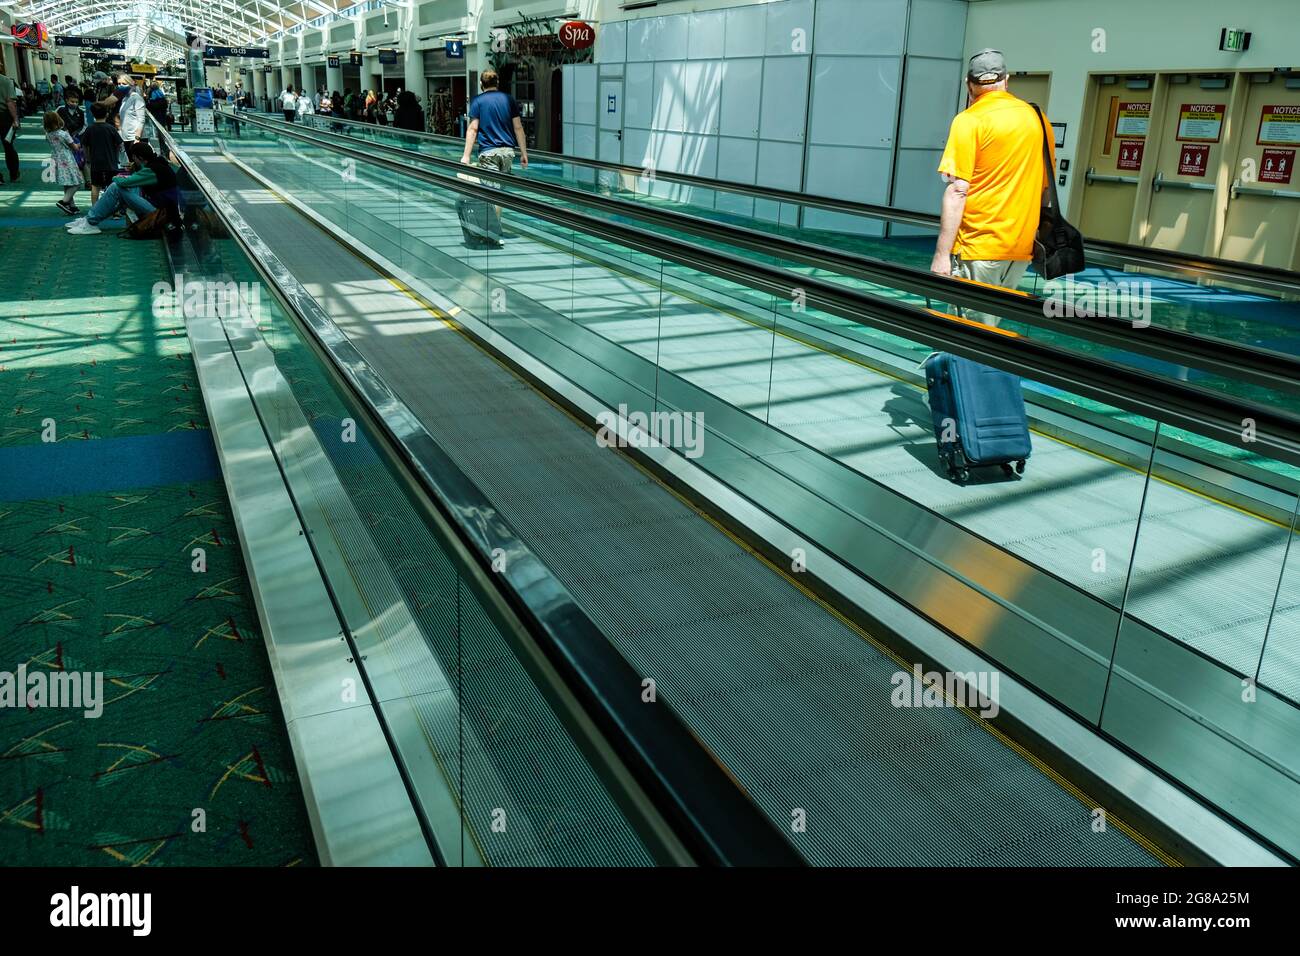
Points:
(149, 226)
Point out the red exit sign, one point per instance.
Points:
(577, 35)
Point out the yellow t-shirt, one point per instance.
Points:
(996, 145)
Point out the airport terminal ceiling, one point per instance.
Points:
(227, 22)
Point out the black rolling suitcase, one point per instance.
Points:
(479, 223)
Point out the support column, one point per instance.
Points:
(287, 79)
(413, 72)
(334, 78)
(372, 73)
(259, 88)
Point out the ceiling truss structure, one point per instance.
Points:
(223, 22)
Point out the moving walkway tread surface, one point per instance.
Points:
(792, 700)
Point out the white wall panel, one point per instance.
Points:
(737, 160)
(669, 98)
(611, 43)
(785, 97)
(708, 33)
(779, 165)
(783, 19)
(636, 147)
(566, 108)
(916, 183)
(862, 27)
(746, 29)
(854, 101)
(638, 95)
(938, 28)
(584, 141)
(685, 153)
(701, 95)
(931, 90)
(741, 80)
(860, 175)
(658, 38)
(584, 93)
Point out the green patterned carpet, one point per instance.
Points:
(108, 484)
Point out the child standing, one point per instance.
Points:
(101, 144)
(66, 173)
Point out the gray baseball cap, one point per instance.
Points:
(987, 66)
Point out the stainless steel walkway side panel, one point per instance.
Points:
(336, 742)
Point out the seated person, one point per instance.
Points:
(151, 185)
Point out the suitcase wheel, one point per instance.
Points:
(1020, 467)
(959, 475)
(1007, 469)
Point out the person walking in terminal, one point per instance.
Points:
(9, 125)
(993, 165)
(289, 103)
(131, 109)
(495, 124)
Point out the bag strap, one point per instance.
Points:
(1047, 159)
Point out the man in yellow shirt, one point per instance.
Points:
(993, 165)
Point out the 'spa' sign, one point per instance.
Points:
(577, 35)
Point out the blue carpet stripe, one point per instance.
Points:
(77, 467)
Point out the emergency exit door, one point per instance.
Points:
(1116, 155)
(1183, 201)
(1263, 214)
(610, 126)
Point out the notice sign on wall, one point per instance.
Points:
(1193, 160)
(1200, 122)
(1130, 153)
(1279, 125)
(1133, 119)
(1275, 165)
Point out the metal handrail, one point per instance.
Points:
(1282, 281)
(1273, 431)
(708, 809)
(1264, 367)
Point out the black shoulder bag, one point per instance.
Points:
(1058, 246)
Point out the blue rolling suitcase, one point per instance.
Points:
(979, 416)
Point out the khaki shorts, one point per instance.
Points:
(501, 159)
(1006, 273)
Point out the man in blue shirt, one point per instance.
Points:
(496, 125)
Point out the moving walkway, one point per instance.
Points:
(815, 443)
